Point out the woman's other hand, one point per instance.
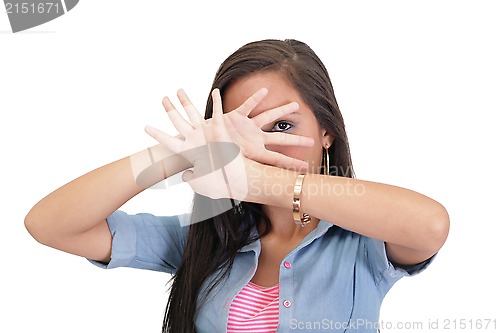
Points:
(247, 133)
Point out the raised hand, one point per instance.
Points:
(219, 169)
(248, 134)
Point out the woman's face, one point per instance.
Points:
(301, 122)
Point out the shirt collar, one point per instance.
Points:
(319, 231)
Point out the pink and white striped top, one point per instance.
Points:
(255, 309)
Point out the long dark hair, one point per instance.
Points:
(212, 244)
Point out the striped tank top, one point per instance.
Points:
(255, 309)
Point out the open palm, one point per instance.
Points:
(248, 134)
(218, 166)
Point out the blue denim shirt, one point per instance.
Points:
(333, 281)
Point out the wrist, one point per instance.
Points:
(154, 164)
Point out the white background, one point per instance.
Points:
(417, 82)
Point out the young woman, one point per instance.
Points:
(281, 237)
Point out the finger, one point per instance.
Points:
(175, 117)
(285, 139)
(269, 116)
(283, 161)
(191, 111)
(218, 113)
(252, 102)
(170, 142)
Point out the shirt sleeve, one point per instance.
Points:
(146, 241)
(385, 272)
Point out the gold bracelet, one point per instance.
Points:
(297, 190)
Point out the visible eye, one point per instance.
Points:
(281, 126)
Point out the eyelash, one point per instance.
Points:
(281, 122)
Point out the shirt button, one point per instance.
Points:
(287, 304)
(287, 264)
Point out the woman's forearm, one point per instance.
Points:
(83, 203)
(390, 213)
(393, 214)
